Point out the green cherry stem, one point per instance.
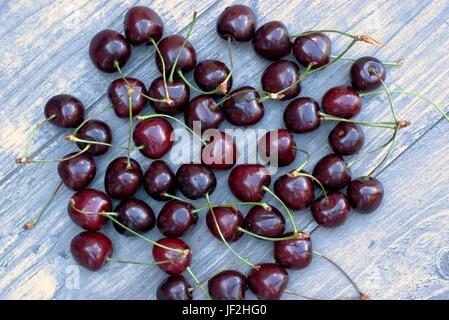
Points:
(328, 117)
(306, 160)
(318, 182)
(130, 132)
(363, 38)
(28, 160)
(195, 88)
(141, 262)
(33, 133)
(174, 197)
(255, 235)
(198, 282)
(289, 214)
(75, 139)
(117, 66)
(231, 204)
(164, 76)
(90, 118)
(386, 63)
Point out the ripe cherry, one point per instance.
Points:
(120, 181)
(89, 200)
(237, 22)
(342, 102)
(246, 182)
(176, 219)
(169, 48)
(91, 250)
(210, 74)
(346, 138)
(243, 107)
(134, 214)
(268, 281)
(302, 115)
(175, 262)
(278, 145)
(333, 172)
(155, 134)
(174, 288)
(204, 110)
(141, 24)
(271, 41)
(158, 180)
(227, 285)
(314, 48)
(78, 172)
(221, 151)
(365, 73)
(66, 111)
(281, 75)
(294, 190)
(118, 95)
(195, 180)
(332, 211)
(294, 253)
(107, 48)
(229, 219)
(265, 222)
(94, 130)
(365, 194)
(178, 92)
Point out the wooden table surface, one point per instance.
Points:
(399, 252)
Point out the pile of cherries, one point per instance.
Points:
(169, 95)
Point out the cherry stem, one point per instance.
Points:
(141, 262)
(189, 32)
(174, 197)
(261, 204)
(130, 106)
(388, 125)
(28, 160)
(229, 96)
(33, 133)
(195, 88)
(255, 235)
(190, 272)
(306, 160)
(290, 216)
(300, 295)
(163, 67)
(165, 100)
(363, 38)
(386, 63)
(75, 139)
(302, 174)
(117, 66)
(32, 224)
(90, 118)
(246, 261)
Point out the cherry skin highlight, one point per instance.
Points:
(268, 281)
(267, 223)
(229, 219)
(237, 22)
(243, 108)
(205, 111)
(174, 288)
(176, 219)
(342, 102)
(271, 41)
(346, 138)
(296, 191)
(178, 92)
(365, 73)
(68, 111)
(279, 144)
(89, 200)
(333, 212)
(365, 194)
(77, 173)
(169, 48)
(159, 179)
(210, 74)
(121, 182)
(312, 49)
(302, 115)
(195, 180)
(280, 75)
(294, 253)
(134, 214)
(155, 134)
(333, 172)
(221, 152)
(246, 182)
(179, 262)
(141, 24)
(91, 249)
(118, 95)
(94, 130)
(227, 285)
(107, 47)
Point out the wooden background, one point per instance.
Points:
(399, 252)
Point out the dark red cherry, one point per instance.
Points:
(302, 115)
(333, 212)
(293, 254)
(91, 249)
(346, 138)
(78, 172)
(278, 145)
(280, 75)
(156, 135)
(159, 179)
(313, 49)
(221, 151)
(227, 285)
(333, 172)
(271, 41)
(94, 130)
(195, 180)
(295, 191)
(169, 48)
(229, 219)
(179, 262)
(365, 194)
(211, 74)
(243, 108)
(118, 95)
(67, 110)
(176, 219)
(268, 281)
(143, 24)
(174, 288)
(122, 182)
(365, 73)
(205, 111)
(89, 200)
(178, 92)
(265, 222)
(246, 182)
(134, 214)
(342, 102)
(237, 22)
(109, 46)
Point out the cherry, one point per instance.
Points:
(118, 95)
(346, 138)
(271, 40)
(331, 211)
(141, 24)
(342, 102)
(156, 135)
(246, 182)
(332, 171)
(221, 151)
(268, 281)
(210, 74)
(178, 93)
(94, 130)
(243, 107)
(134, 214)
(66, 111)
(159, 179)
(365, 194)
(227, 285)
(89, 200)
(281, 75)
(301, 115)
(229, 219)
(294, 253)
(195, 180)
(265, 222)
(203, 109)
(314, 49)
(77, 172)
(174, 288)
(91, 250)
(365, 73)
(169, 48)
(176, 219)
(108, 48)
(120, 181)
(177, 262)
(237, 22)
(278, 143)
(294, 190)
